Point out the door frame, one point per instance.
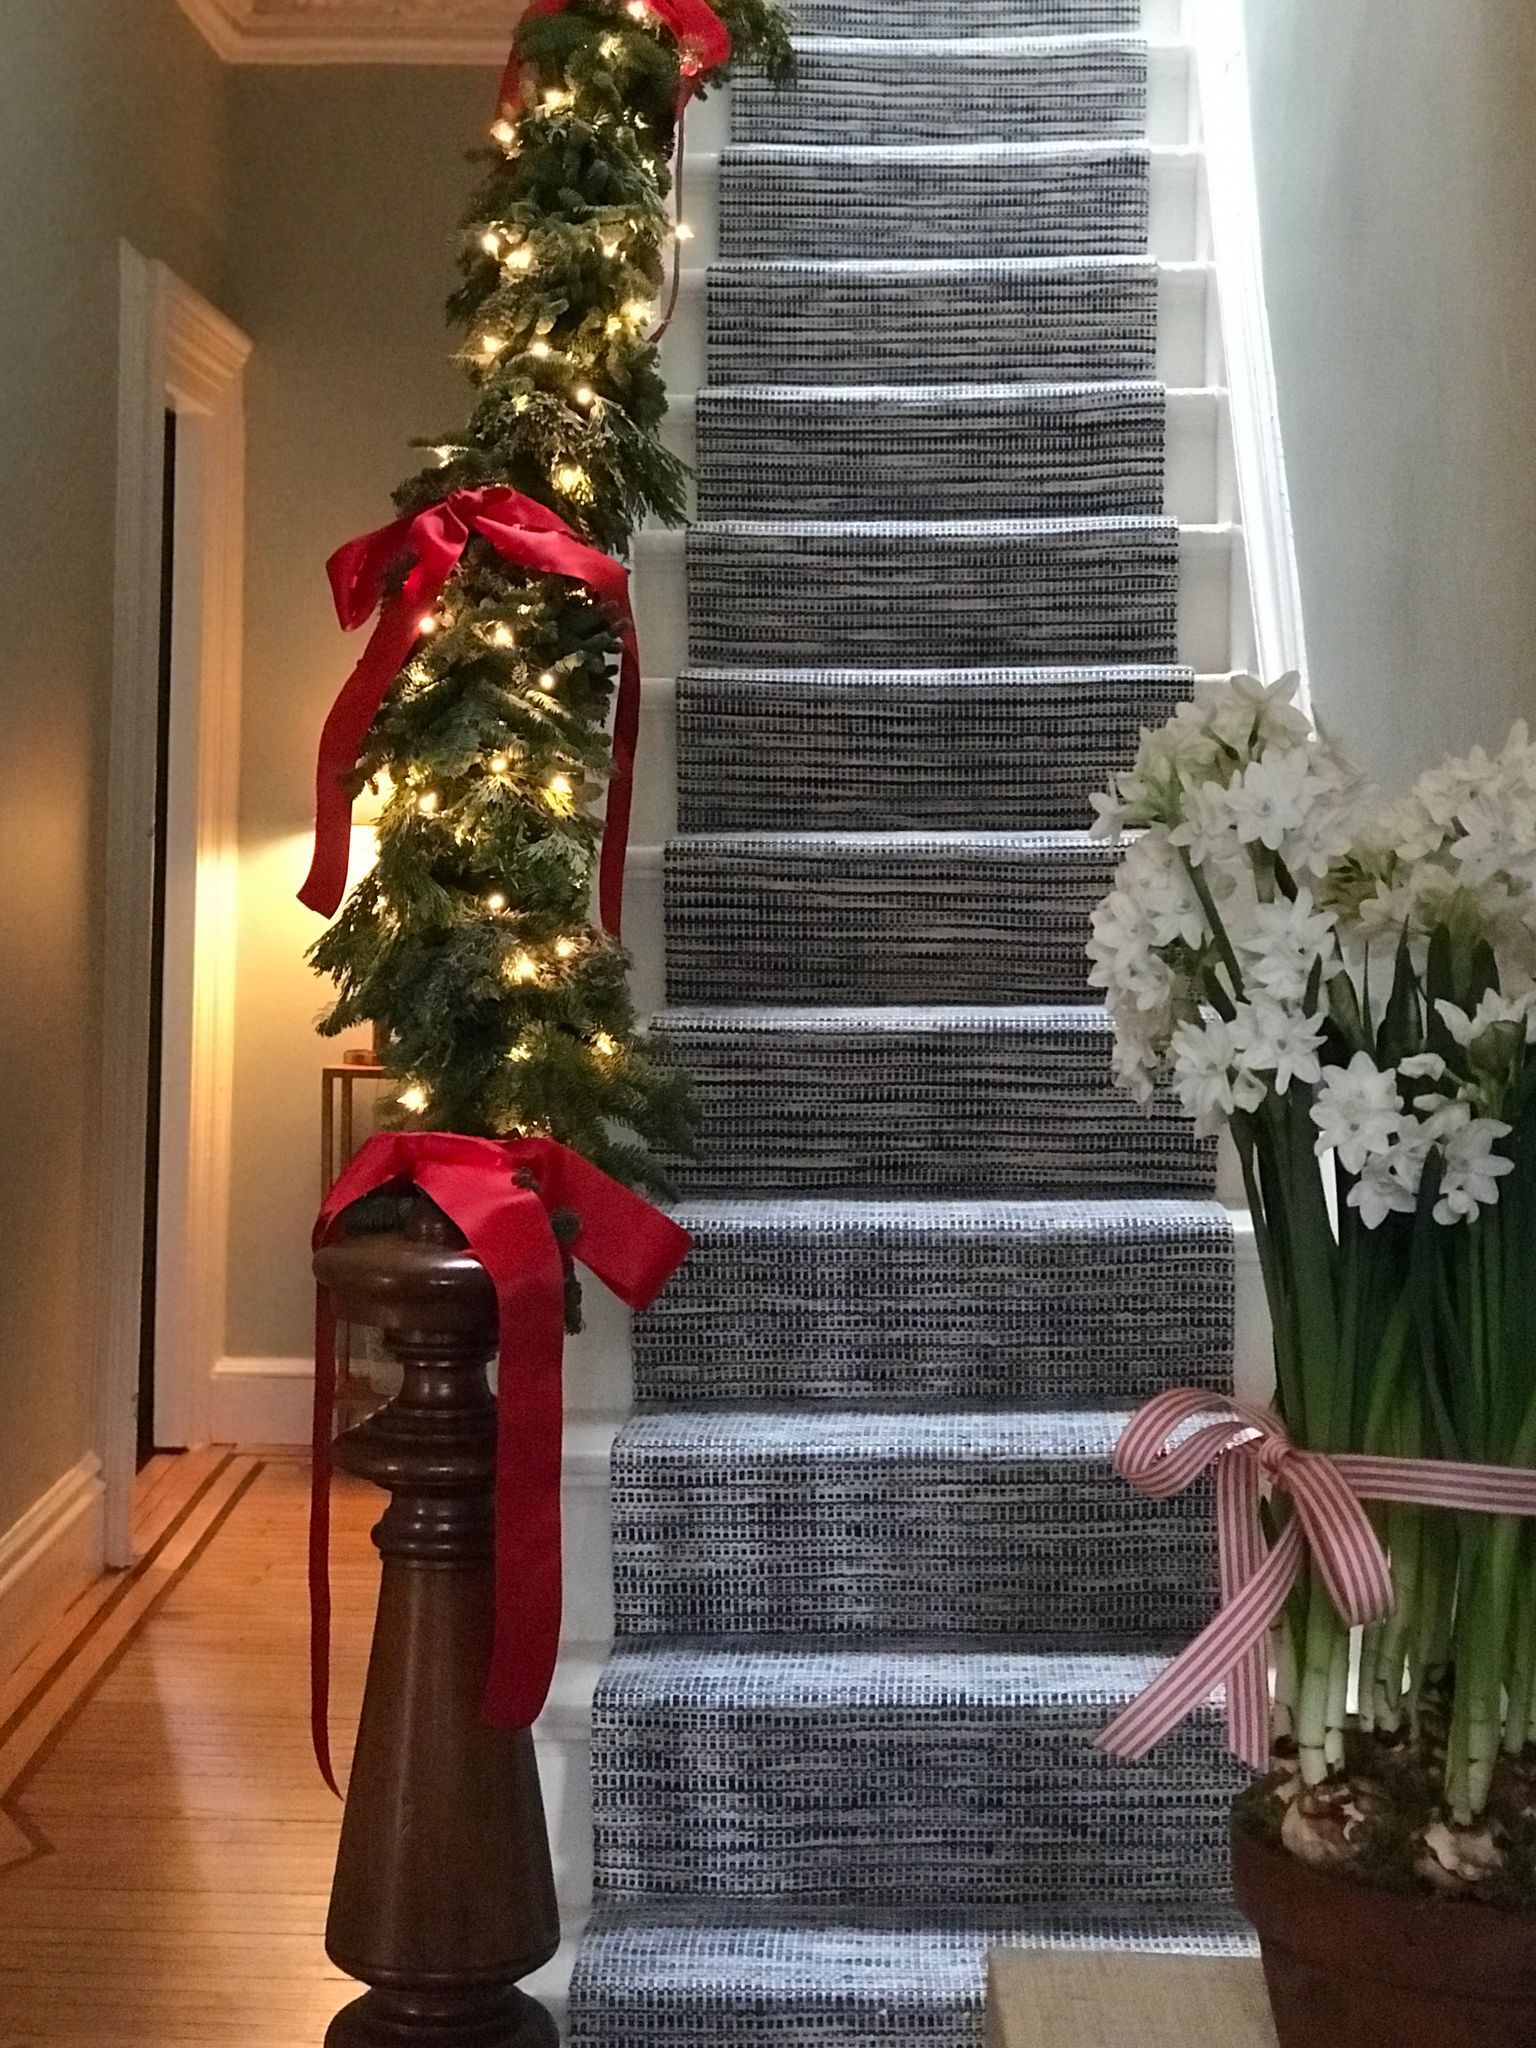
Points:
(176, 354)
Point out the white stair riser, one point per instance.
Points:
(1176, 233)
(1205, 638)
(1192, 494)
(1188, 352)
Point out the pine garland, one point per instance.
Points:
(499, 1005)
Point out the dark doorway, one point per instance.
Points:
(146, 1411)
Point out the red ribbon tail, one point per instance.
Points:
(621, 790)
(342, 739)
(530, 1419)
(320, 1537)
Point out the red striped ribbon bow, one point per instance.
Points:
(529, 536)
(703, 40)
(1249, 1446)
(501, 1193)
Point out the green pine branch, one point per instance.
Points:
(499, 1005)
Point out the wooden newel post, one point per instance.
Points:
(444, 1895)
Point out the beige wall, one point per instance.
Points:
(350, 184)
(112, 123)
(1396, 144)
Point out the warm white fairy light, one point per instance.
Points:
(427, 802)
(572, 480)
(683, 232)
(490, 241)
(565, 948)
(521, 258)
(540, 349)
(604, 1046)
(584, 395)
(613, 324)
(610, 248)
(498, 764)
(558, 792)
(522, 967)
(610, 46)
(502, 635)
(638, 311)
(520, 1053)
(638, 10)
(413, 1099)
(547, 680)
(429, 622)
(491, 346)
(503, 132)
(556, 100)
(495, 901)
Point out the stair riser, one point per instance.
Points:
(964, 1111)
(953, 1544)
(822, 325)
(806, 598)
(857, 752)
(1009, 1809)
(977, 18)
(879, 91)
(1079, 202)
(1083, 455)
(844, 926)
(940, 1312)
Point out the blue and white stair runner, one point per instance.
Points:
(875, 1588)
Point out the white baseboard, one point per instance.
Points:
(49, 1557)
(254, 1403)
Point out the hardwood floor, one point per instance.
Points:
(165, 1841)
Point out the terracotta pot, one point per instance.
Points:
(1353, 1967)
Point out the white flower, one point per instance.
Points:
(1473, 1170)
(1245, 714)
(1282, 944)
(1153, 878)
(1275, 1040)
(1269, 799)
(1381, 1192)
(1203, 1058)
(1358, 1112)
(1422, 1066)
(1493, 1010)
(1205, 828)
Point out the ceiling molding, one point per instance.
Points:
(356, 31)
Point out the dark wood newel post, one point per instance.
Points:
(444, 1896)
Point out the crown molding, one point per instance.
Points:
(356, 31)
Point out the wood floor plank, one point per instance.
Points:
(175, 1844)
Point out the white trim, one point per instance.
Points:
(1225, 116)
(261, 1403)
(48, 1558)
(175, 352)
(356, 32)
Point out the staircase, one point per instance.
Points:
(875, 1588)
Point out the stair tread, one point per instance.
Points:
(880, 1431)
(817, 1215)
(1139, 523)
(1111, 390)
(976, 676)
(933, 1674)
(727, 269)
(890, 1018)
(1127, 148)
(914, 841)
(968, 48)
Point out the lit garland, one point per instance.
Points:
(469, 945)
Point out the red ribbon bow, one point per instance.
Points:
(702, 37)
(501, 1194)
(1247, 1446)
(529, 536)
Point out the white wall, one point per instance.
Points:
(1396, 144)
(112, 123)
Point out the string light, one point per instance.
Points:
(604, 1046)
(519, 1054)
(541, 349)
(613, 324)
(610, 46)
(502, 635)
(610, 248)
(429, 622)
(565, 949)
(584, 395)
(504, 133)
(683, 232)
(413, 1099)
(427, 803)
(491, 346)
(522, 258)
(490, 241)
(573, 481)
(558, 792)
(498, 764)
(638, 10)
(495, 901)
(547, 680)
(523, 968)
(555, 100)
(638, 311)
